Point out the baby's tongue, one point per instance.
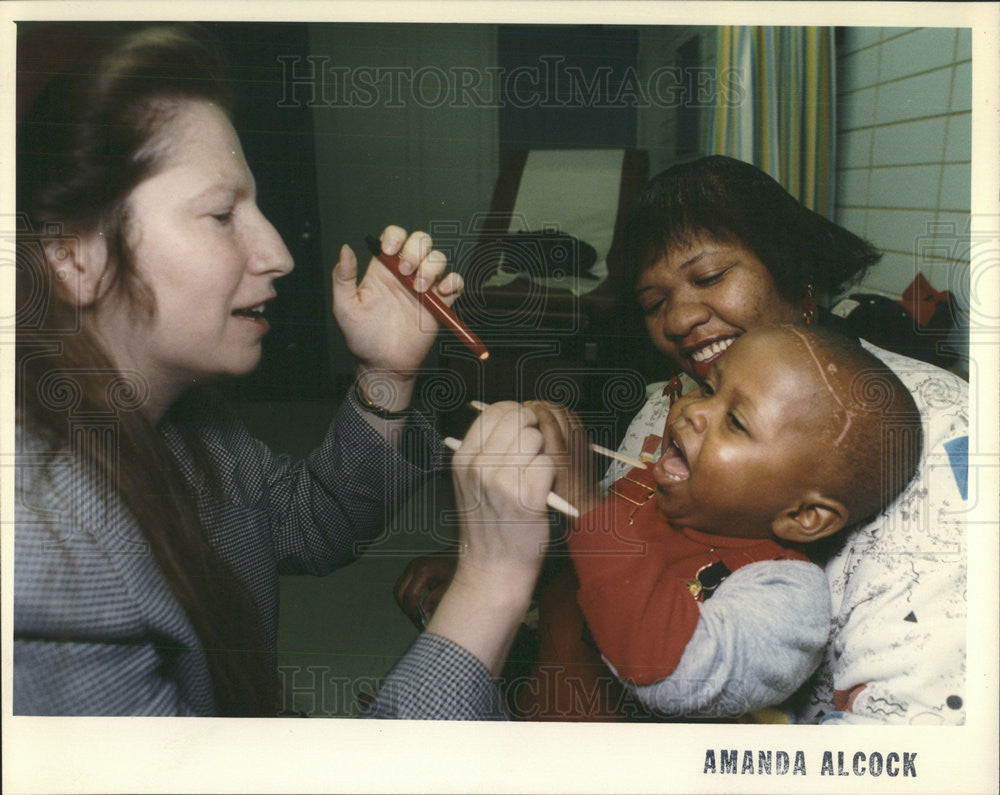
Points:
(673, 464)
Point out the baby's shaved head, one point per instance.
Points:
(868, 430)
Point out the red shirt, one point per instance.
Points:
(639, 577)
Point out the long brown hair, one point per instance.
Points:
(85, 143)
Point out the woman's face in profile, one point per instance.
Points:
(698, 299)
(201, 245)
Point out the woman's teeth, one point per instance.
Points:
(255, 311)
(710, 351)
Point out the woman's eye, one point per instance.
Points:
(737, 425)
(223, 218)
(650, 309)
(710, 278)
(706, 390)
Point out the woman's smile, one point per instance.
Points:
(700, 298)
(703, 356)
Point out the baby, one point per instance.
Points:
(693, 582)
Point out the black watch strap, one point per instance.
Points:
(365, 404)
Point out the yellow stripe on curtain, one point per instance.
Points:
(782, 116)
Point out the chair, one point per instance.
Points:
(543, 278)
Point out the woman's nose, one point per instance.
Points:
(267, 251)
(683, 316)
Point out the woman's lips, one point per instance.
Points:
(255, 314)
(703, 357)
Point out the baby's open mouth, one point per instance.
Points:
(673, 464)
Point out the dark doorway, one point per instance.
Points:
(567, 86)
(278, 143)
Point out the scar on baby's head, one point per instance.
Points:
(830, 369)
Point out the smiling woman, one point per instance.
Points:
(717, 249)
(700, 297)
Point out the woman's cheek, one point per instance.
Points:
(762, 307)
(652, 329)
(660, 341)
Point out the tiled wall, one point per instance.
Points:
(904, 152)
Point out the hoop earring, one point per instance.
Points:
(809, 310)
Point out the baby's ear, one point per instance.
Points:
(813, 517)
(78, 263)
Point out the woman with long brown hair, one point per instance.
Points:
(150, 526)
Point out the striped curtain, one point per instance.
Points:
(776, 107)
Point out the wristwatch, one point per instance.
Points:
(366, 404)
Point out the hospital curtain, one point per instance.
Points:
(775, 106)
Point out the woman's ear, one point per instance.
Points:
(814, 517)
(78, 264)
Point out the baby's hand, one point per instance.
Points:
(566, 443)
(422, 584)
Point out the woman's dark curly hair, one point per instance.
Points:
(735, 202)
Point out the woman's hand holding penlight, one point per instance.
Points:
(385, 328)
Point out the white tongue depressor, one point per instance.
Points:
(554, 501)
(478, 405)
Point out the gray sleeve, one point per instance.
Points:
(758, 639)
(97, 630)
(438, 680)
(95, 677)
(318, 511)
(324, 509)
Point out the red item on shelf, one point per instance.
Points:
(921, 300)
